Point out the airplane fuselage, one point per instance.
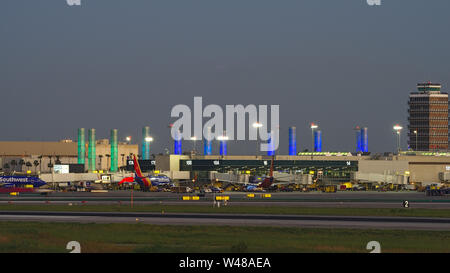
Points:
(21, 181)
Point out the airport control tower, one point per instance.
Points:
(428, 118)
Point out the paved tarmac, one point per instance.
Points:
(299, 199)
(363, 222)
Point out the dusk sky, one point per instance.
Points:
(124, 64)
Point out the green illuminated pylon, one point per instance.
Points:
(145, 144)
(81, 146)
(91, 151)
(114, 151)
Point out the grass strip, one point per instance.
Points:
(263, 209)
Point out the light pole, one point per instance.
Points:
(398, 130)
(223, 145)
(257, 125)
(148, 139)
(194, 139)
(128, 140)
(123, 162)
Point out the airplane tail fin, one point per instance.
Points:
(271, 167)
(137, 168)
(138, 173)
(268, 180)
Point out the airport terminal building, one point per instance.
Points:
(22, 156)
(403, 169)
(305, 168)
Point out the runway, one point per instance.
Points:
(299, 199)
(363, 222)
(304, 204)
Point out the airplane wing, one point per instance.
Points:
(249, 183)
(282, 183)
(235, 182)
(44, 190)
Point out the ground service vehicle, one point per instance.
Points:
(181, 189)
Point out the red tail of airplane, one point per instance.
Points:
(271, 167)
(138, 173)
(139, 178)
(268, 180)
(137, 168)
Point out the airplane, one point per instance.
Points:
(160, 180)
(19, 183)
(258, 183)
(146, 182)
